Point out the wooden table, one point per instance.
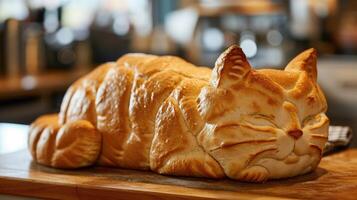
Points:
(336, 178)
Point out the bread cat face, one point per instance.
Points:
(264, 123)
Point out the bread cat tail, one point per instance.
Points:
(71, 145)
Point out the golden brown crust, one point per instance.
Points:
(232, 65)
(75, 144)
(112, 107)
(306, 62)
(175, 150)
(145, 102)
(41, 131)
(167, 115)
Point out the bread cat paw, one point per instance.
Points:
(254, 174)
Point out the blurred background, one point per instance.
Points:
(47, 44)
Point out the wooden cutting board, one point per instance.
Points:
(336, 178)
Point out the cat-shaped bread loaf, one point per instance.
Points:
(166, 115)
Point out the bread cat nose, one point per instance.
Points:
(296, 134)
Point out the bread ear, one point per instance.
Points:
(306, 62)
(231, 66)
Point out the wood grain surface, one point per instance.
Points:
(336, 178)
